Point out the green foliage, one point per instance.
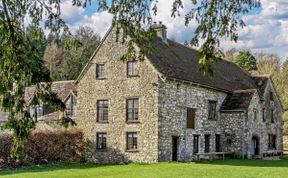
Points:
(21, 63)
(44, 147)
(67, 63)
(246, 60)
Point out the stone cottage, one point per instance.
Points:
(163, 109)
(47, 117)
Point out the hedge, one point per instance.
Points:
(44, 147)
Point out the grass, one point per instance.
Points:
(218, 168)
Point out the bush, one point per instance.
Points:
(44, 147)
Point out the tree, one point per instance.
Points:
(230, 54)
(246, 60)
(66, 64)
(23, 66)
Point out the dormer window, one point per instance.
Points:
(132, 68)
(100, 71)
(71, 106)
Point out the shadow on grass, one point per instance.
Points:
(52, 167)
(250, 163)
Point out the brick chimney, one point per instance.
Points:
(161, 30)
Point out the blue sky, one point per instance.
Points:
(266, 30)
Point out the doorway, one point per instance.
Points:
(175, 141)
(255, 147)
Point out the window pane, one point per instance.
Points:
(132, 109)
(100, 70)
(212, 109)
(132, 140)
(102, 110)
(132, 68)
(101, 141)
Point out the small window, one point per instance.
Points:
(132, 68)
(217, 143)
(71, 106)
(132, 141)
(272, 141)
(36, 111)
(196, 144)
(212, 110)
(271, 96)
(207, 143)
(263, 114)
(132, 109)
(102, 110)
(101, 141)
(255, 114)
(272, 116)
(100, 71)
(191, 118)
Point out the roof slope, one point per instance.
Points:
(261, 83)
(61, 88)
(179, 62)
(238, 100)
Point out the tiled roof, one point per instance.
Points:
(177, 61)
(238, 100)
(61, 88)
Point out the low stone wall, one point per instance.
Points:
(285, 142)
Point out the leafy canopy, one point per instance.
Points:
(21, 63)
(246, 60)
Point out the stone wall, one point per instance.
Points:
(260, 128)
(174, 99)
(117, 87)
(233, 132)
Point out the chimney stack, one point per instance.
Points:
(161, 30)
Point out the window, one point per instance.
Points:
(272, 141)
(71, 106)
(263, 114)
(100, 71)
(272, 115)
(132, 141)
(36, 111)
(132, 108)
(101, 141)
(217, 143)
(271, 96)
(212, 110)
(196, 144)
(191, 118)
(207, 143)
(255, 114)
(132, 68)
(102, 110)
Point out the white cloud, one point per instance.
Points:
(175, 26)
(267, 30)
(75, 16)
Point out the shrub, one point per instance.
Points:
(44, 147)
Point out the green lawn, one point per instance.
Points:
(219, 168)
